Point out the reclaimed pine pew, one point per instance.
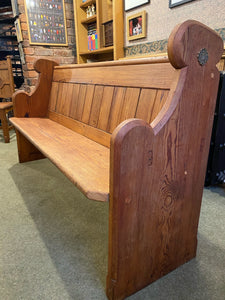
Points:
(135, 133)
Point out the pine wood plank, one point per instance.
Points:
(80, 104)
(105, 107)
(74, 101)
(160, 100)
(145, 104)
(80, 153)
(129, 104)
(69, 95)
(88, 103)
(53, 96)
(152, 75)
(6, 78)
(96, 105)
(116, 108)
(59, 97)
(93, 133)
(64, 107)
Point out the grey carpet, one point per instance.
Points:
(53, 241)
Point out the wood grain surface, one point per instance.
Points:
(68, 151)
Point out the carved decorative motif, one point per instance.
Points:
(203, 57)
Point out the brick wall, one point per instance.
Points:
(61, 54)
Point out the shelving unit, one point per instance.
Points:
(105, 11)
(8, 41)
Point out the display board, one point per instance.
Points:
(46, 22)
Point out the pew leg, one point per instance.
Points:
(152, 224)
(5, 126)
(26, 150)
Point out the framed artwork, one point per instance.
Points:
(136, 26)
(18, 31)
(15, 8)
(46, 22)
(130, 4)
(173, 3)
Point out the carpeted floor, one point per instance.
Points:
(53, 241)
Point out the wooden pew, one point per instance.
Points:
(6, 92)
(135, 133)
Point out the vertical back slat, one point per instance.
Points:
(159, 102)
(53, 96)
(80, 104)
(129, 104)
(69, 95)
(64, 100)
(75, 99)
(105, 107)
(96, 104)
(59, 97)
(116, 108)
(145, 104)
(88, 103)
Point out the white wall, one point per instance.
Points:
(161, 19)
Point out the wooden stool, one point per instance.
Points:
(5, 107)
(6, 92)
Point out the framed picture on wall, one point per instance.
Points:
(46, 22)
(130, 4)
(18, 31)
(173, 3)
(136, 26)
(15, 8)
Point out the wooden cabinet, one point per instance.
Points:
(104, 11)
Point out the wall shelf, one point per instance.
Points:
(99, 51)
(87, 3)
(89, 20)
(105, 11)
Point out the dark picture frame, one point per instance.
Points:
(46, 22)
(130, 4)
(174, 3)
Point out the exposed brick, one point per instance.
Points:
(69, 15)
(43, 51)
(25, 35)
(67, 60)
(70, 31)
(28, 50)
(68, 23)
(32, 74)
(26, 43)
(71, 40)
(23, 18)
(30, 66)
(31, 59)
(22, 9)
(64, 53)
(24, 26)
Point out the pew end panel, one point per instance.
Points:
(31, 105)
(158, 170)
